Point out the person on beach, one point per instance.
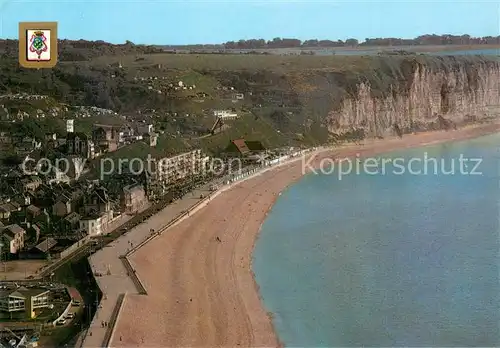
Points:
(218, 239)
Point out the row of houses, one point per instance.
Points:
(62, 212)
(107, 138)
(103, 139)
(44, 214)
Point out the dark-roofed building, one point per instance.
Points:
(41, 251)
(70, 223)
(23, 199)
(13, 237)
(72, 218)
(32, 212)
(62, 206)
(106, 137)
(23, 302)
(97, 201)
(79, 144)
(255, 146)
(45, 245)
(8, 208)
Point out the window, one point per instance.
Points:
(16, 304)
(40, 301)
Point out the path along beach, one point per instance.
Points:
(198, 274)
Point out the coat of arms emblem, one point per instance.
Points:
(38, 43)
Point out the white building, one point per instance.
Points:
(169, 170)
(95, 225)
(225, 114)
(70, 126)
(178, 167)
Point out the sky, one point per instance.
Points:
(193, 22)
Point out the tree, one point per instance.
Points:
(351, 42)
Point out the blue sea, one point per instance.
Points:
(484, 52)
(388, 260)
(340, 52)
(375, 51)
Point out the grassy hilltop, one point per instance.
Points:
(286, 98)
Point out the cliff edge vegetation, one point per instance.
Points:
(280, 100)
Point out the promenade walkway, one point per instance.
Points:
(115, 280)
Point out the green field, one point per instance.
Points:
(287, 99)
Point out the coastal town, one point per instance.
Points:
(53, 210)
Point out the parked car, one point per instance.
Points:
(75, 303)
(61, 322)
(70, 315)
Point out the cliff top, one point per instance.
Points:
(283, 99)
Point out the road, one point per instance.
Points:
(115, 280)
(85, 248)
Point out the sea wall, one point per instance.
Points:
(453, 91)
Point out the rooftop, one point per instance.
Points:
(23, 292)
(7, 207)
(241, 145)
(46, 244)
(33, 209)
(72, 217)
(11, 230)
(254, 145)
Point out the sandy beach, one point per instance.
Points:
(201, 291)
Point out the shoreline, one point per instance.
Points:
(203, 292)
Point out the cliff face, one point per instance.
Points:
(457, 91)
(287, 100)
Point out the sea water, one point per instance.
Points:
(369, 52)
(388, 260)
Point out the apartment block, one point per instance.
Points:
(23, 302)
(170, 170)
